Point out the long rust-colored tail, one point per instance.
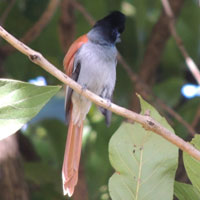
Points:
(72, 157)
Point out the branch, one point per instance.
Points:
(13, 184)
(177, 117)
(42, 22)
(84, 12)
(6, 12)
(190, 63)
(196, 118)
(66, 24)
(146, 121)
(36, 29)
(158, 38)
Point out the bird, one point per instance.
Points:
(91, 61)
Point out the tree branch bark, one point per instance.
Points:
(171, 23)
(6, 12)
(66, 24)
(84, 12)
(159, 36)
(12, 182)
(36, 29)
(146, 121)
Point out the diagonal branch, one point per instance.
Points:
(66, 24)
(84, 12)
(171, 22)
(196, 118)
(145, 120)
(6, 12)
(177, 117)
(36, 29)
(159, 36)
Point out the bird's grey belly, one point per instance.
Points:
(97, 72)
(95, 76)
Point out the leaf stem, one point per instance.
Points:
(139, 174)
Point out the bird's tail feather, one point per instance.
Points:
(72, 157)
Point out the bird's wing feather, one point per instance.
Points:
(71, 70)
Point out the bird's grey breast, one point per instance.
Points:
(98, 66)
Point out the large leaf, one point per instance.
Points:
(145, 163)
(186, 191)
(192, 165)
(19, 102)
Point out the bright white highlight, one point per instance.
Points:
(194, 69)
(24, 128)
(65, 191)
(190, 91)
(40, 81)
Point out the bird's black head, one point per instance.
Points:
(111, 26)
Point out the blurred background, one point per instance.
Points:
(150, 64)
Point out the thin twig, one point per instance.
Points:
(66, 24)
(84, 12)
(156, 44)
(145, 120)
(6, 12)
(176, 116)
(42, 22)
(196, 118)
(190, 63)
(36, 29)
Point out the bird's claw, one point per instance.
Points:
(109, 102)
(83, 88)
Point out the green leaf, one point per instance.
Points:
(192, 165)
(20, 102)
(185, 191)
(154, 113)
(145, 163)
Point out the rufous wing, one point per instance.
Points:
(74, 136)
(70, 71)
(69, 57)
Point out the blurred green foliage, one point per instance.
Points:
(48, 135)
